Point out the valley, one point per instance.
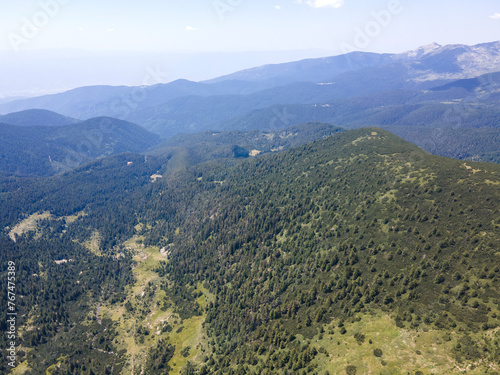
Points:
(332, 251)
(326, 216)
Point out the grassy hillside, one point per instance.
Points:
(359, 253)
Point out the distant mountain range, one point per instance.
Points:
(62, 144)
(312, 81)
(233, 227)
(37, 72)
(431, 62)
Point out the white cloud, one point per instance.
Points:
(277, 7)
(110, 30)
(191, 28)
(323, 3)
(495, 16)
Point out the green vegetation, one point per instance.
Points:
(186, 150)
(411, 94)
(481, 144)
(358, 253)
(458, 130)
(47, 150)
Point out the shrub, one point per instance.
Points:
(360, 338)
(185, 351)
(439, 279)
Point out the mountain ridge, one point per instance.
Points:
(325, 257)
(48, 150)
(474, 61)
(37, 117)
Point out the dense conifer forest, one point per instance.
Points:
(355, 253)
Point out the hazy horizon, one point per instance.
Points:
(66, 69)
(238, 25)
(49, 46)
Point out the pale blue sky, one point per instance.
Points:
(54, 45)
(243, 25)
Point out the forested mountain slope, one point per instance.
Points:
(459, 120)
(356, 253)
(449, 89)
(37, 117)
(186, 150)
(481, 144)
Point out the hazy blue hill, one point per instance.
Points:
(481, 144)
(354, 74)
(434, 86)
(37, 117)
(370, 96)
(445, 62)
(309, 70)
(10, 99)
(43, 150)
(199, 113)
(88, 102)
(447, 108)
(120, 101)
(74, 103)
(163, 93)
(193, 114)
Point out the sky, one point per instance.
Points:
(53, 45)
(244, 25)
